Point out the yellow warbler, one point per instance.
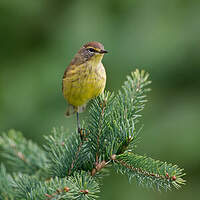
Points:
(84, 78)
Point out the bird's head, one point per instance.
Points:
(92, 50)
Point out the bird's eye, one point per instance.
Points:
(91, 50)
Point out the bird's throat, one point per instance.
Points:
(95, 61)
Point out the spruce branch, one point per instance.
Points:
(130, 101)
(72, 166)
(63, 152)
(112, 119)
(97, 126)
(80, 186)
(6, 190)
(21, 154)
(149, 172)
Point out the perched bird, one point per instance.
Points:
(84, 78)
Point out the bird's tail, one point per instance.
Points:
(73, 109)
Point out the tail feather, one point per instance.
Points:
(73, 109)
(70, 110)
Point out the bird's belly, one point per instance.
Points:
(92, 86)
(88, 86)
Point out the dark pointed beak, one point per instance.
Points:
(103, 51)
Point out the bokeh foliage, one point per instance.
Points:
(39, 38)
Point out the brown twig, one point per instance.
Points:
(58, 191)
(139, 170)
(103, 105)
(76, 156)
(99, 167)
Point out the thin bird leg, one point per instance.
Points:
(78, 123)
(80, 131)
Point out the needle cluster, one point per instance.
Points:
(71, 165)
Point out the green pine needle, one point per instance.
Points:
(112, 122)
(6, 180)
(63, 152)
(79, 186)
(21, 154)
(149, 172)
(72, 166)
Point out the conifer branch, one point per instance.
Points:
(130, 101)
(6, 180)
(79, 186)
(112, 119)
(21, 154)
(63, 151)
(70, 167)
(97, 125)
(149, 172)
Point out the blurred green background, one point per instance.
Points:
(38, 39)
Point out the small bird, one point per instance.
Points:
(84, 78)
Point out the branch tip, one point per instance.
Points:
(66, 189)
(85, 191)
(113, 157)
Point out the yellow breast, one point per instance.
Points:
(84, 82)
